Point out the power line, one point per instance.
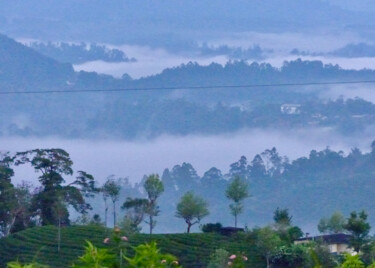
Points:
(185, 87)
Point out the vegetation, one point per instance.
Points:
(79, 53)
(111, 189)
(237, 191)
(39, 244)
(154, 188)
(359, 228)
(192, 209)
(258, 247)
(333, 225)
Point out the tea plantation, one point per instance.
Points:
(40, 244)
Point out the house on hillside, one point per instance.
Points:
(336, 243)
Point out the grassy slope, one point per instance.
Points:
(192, 250)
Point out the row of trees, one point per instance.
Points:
(191, 208)
(23, 206)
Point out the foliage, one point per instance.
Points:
(211, 227)
(129, 226)
(192, 209)
(368, 251)
(294, 233)
(237, 260)
(237, 191)
(192, 250)
(321, 256)
(79, 53)
(7, 194)
(95, 258)
(53, 164)
(282, 217)
(85, 219)
(352, 261)
(291, 256)
(148, 255)
(111, 189)
(219, 259)
(359, 228)
(267, 242)
(17, 264)
(333, 225)
(135, 211)
(154, 188)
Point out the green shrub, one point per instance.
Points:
(352, 262)
(16, 264)
(211, 227)
(95, 258)
(219, 259)
(148, 255)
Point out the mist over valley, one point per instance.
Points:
(279, 95)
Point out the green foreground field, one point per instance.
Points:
(40, 244)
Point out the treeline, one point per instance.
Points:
(321, 183)
(153, 118)
(311, 187)
(79, 53)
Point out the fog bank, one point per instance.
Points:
(135, 159)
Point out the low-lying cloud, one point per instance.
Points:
(150, 61)
(135, 159)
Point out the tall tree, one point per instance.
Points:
(111, 189)
(105, 199)
(359, 228)
(237, 191)
(53, 164)
(192, 209)
(267, 242)
(257, 167)
(7, 196)
(135, 211)
(154, 188)
(239, 168)
(20, 213)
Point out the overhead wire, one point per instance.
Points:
(185, 87)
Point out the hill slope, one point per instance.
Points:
(40, 244)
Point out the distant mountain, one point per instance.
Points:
(199, 104)
(22, 67)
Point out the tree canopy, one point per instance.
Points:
(237, 191)
(192, 209)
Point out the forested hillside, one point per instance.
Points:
(311, 187)
(196, 109)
